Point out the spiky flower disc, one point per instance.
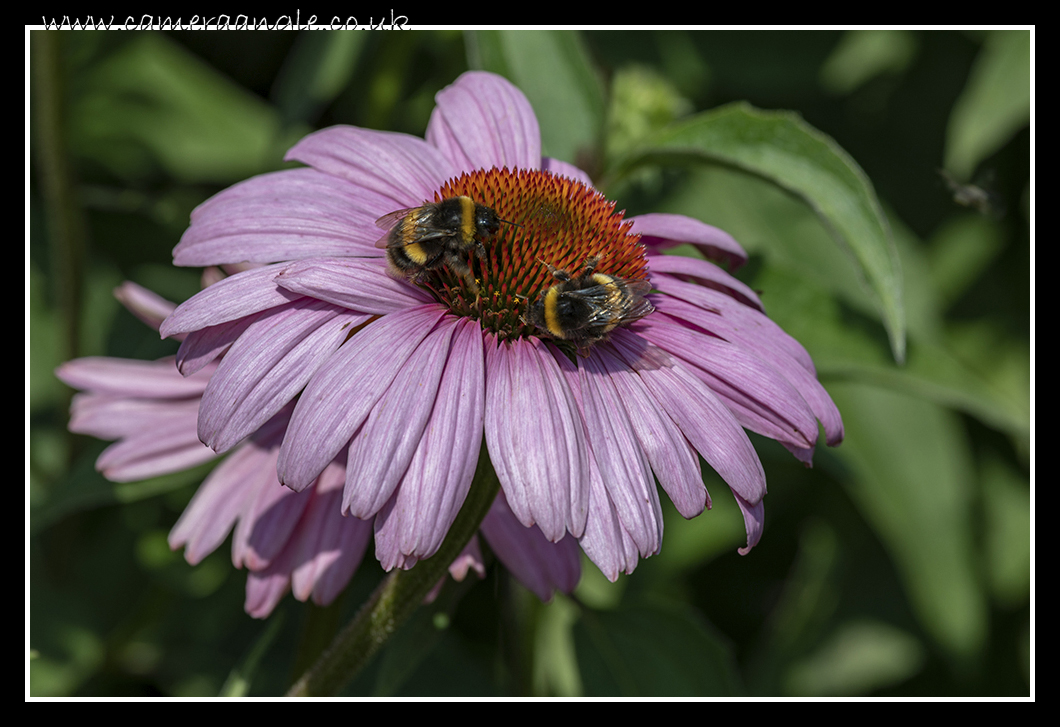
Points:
(549, 220)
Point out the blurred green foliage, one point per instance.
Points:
(900, 565)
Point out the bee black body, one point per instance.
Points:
(439, 233)
(584, 309)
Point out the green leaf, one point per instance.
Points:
(782, 148)
(995, 104)
(864, 54)
(986, 377)
(152, 103)
(1007, 515)
(652, 650)
(912, 478)
(553, 69)
(858, 658)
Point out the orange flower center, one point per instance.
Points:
(547, 220)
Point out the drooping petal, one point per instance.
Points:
(623, 466)
(757, 394)
(403, 168)
(148, 306)
(724, 316)
(267, 367)
(212, 512)
(540, 565)
(605, 541)
(384, 445)
(131, 379)
(416, 520)
(483, 121)
(343, 391)
(761, 337)
(705, 421)
(360, 285)
(535, 437)
(267, 587)
(672, 458)
(328, 547)
(287, 215)
(661, 230)
(753, 522)
(269, 516)
(165, 442)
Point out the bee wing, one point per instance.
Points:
(599, 297)
(387, 221)
(422, 232)
(642, 308)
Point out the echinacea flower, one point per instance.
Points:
(287, 540)
(402, 380)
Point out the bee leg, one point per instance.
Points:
(590, 265)
(561, 275)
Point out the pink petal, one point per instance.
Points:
(760, 397)
(229, 300)
(705, 421)
(605, 541)
(287, 215)
(344, 390)
(129, 378)
(146, 305)
(219, 501)
(705, 273)
(672, 459)
(623, 466)
(359, 285)
(415, 521)
(329, 547)
(380, 452)
(269, 516)
(753, 521)
(482, 121)
(536, 438)
(402, 168)
(761, 337)
(268, 366)
(538, 564)
(660, 230)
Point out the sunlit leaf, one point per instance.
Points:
(781, 147)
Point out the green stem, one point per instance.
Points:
(66, 222)
(398, 596)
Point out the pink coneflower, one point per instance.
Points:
(403, 381)
(287, 540)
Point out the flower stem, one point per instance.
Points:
(398, 596)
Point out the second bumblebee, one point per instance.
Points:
(584, 309)
(425, 238)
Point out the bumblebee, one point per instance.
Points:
(584, 309)
(439, 233)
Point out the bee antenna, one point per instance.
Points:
(513, 224)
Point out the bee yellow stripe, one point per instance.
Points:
(467, 219)
(416, 253)
(551, 314)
